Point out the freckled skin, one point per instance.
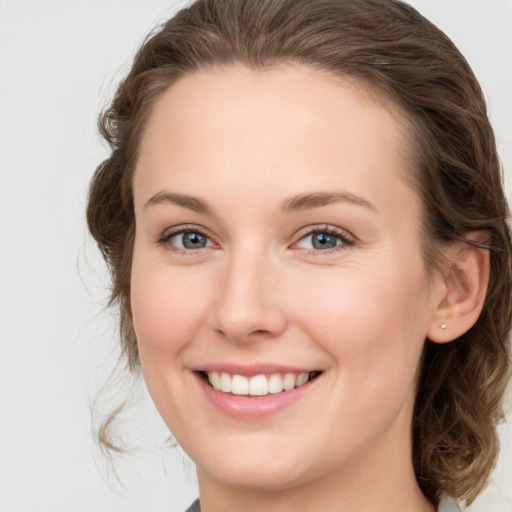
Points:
(244, 141)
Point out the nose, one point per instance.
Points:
(247, 306)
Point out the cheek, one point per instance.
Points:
(375, 337)
(167, 313)
(166, 308)
(373, 323)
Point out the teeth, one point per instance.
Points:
(275, 384)
(239, 385)
(259, 385)
(214, 379)
(225, 382)
(289, 381)
(302, 379)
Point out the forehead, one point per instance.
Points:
(235, 123)
(297, 89)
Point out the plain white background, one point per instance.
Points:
(59, 63)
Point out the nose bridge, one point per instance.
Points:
(247, 304)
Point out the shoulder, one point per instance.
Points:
(195, 507)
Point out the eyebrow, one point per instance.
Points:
(296, 203)
(317, 199)
(191, 203)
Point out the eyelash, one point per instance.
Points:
(347, 240)
(166, 237)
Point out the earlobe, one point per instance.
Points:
(463, 291)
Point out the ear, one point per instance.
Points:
(463, 289)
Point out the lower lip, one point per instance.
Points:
(253, 407)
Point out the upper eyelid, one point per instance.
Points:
(309, 230)
(302, 233)
(176, 230)
(164, 239)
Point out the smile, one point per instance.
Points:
(258, 385)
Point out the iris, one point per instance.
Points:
(324, 241)
(192, 240)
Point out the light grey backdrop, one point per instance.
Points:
(59, 63)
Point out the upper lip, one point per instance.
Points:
(253, 369)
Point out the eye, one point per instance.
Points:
(325, 239)
(187, 239)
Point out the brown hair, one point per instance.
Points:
(391, 47)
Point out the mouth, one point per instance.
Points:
(257, 385)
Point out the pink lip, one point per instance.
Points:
(256, 407)
(252, 370)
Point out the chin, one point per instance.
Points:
(262, 471)
(258, 478)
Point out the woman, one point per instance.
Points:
(305, 224)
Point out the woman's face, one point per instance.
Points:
(277, 242)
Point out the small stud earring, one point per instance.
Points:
(443, 326)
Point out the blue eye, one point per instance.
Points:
(324, 239)
(193, 240)
(187, 240)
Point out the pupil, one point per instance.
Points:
(193, 240)
(324, 241)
